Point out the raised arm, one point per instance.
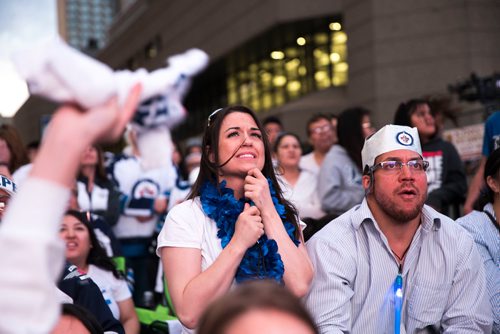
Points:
(29, 241)
(72, 129)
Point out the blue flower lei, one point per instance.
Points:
(260, 261)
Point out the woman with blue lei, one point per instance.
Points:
(235, 226)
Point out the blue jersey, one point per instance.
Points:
(491, 139)
(87, 294)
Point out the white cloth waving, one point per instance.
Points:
(60, 73)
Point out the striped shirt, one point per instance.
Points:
(352, 292)
(487, 239)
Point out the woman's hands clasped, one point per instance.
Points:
(249, 227)
(257, 190)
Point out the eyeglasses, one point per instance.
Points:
(396, 166)
(212, 116)
(321, 129)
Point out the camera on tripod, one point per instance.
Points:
(483, 89)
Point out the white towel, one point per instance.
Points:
(60, 73)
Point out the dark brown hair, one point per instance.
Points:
(88, 320)
(406, 109)
(281, 136)
(350, 132)
(252, 295)
(491, 168)
(209, 170)
(18, 153)
(100, 171)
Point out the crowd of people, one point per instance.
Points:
(252, 229)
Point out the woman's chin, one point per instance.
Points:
(246, 167)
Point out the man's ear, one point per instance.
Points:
(493, 184)
(366, 181)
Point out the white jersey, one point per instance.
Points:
(114, 290)
(139, 188)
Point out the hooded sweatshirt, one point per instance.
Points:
(446, 180)
(339, 182)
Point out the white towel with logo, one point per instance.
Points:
(61, 73)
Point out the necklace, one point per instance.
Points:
(260, 261)
(402, 257)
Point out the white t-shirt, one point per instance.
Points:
(187, 226)
(113, 289)
(307, 162)
(304, 195)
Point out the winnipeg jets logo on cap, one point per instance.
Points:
(404, 138)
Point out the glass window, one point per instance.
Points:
(292, 60)
(282, 64)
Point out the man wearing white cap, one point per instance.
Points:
(393, 264)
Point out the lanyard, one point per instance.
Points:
(398, 301)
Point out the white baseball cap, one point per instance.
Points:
(7, 185)
(390, 138)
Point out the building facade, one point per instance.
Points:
(84, 24)
(294, 58)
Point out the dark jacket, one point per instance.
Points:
(446, 175)
(111, 202)
(87, 294)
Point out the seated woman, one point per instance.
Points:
(236, 225)
(299, 185)
(446, 180)
(483, 224)
(84, 251)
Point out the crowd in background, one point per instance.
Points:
(118, 207)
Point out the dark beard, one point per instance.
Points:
(390, 208)
(399, 215)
